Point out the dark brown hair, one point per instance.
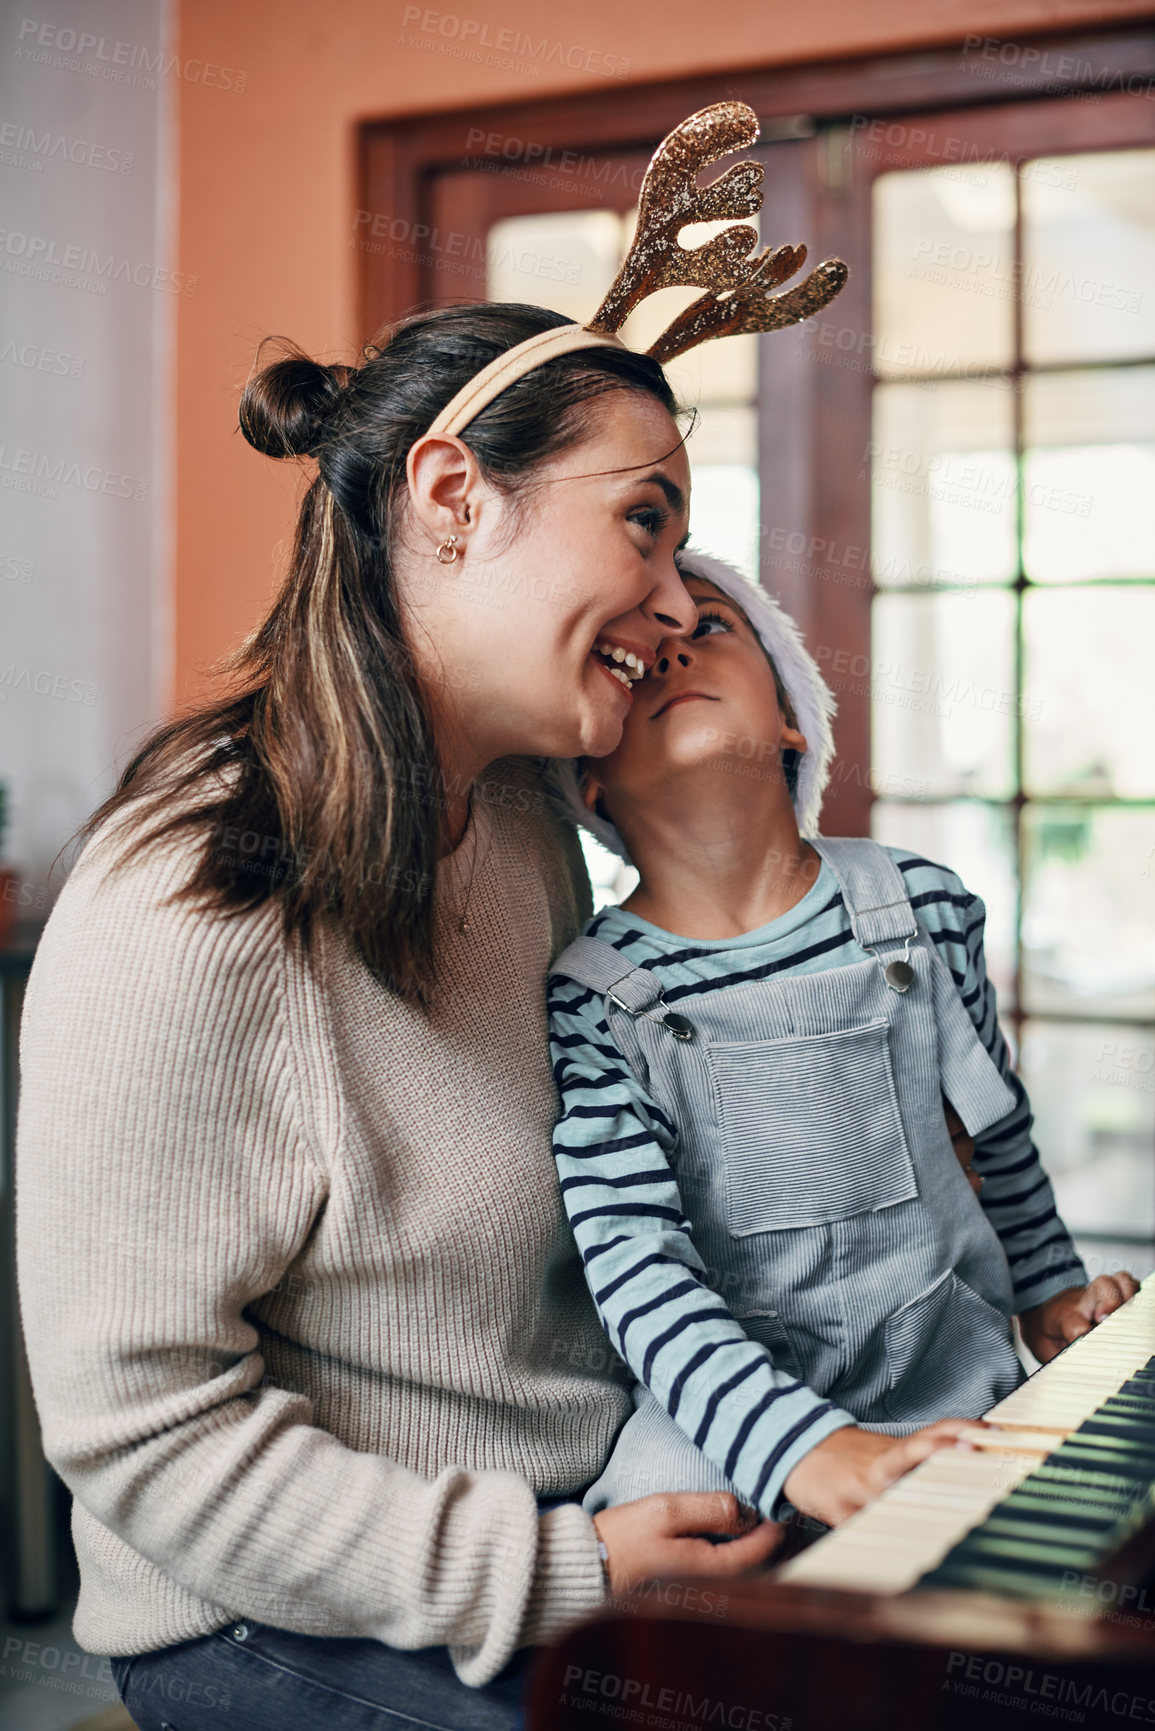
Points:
(324, 739)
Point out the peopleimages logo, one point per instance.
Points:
(37, 255)
(120, 62)
(38, 473)
(23, 147)
(471, 39)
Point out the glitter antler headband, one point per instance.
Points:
(737, 282)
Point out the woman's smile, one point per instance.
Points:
(625, 664)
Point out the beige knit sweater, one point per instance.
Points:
(306, 1324)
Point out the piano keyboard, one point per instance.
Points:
(1057, 1490)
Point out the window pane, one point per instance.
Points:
(715, 372)
(943, 270)
(1089, 910)
(942, 691)
(724, 514)
(1089, 474)
(1089, 256)
(943, 473)
(723, 452)
(561, 259)
(1091, 718)
(1092, 1092)
(977, 842)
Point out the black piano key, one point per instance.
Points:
(1071, 1482)
(1029, 1516)
(1021, 1583)
(1124, 1425)
(1093, 1517)
(1114, 1431)
(1090, 1490)
(1018, 1536)
(1107, 1455)
(1059, 1469)
(990, 1549)
(1073, 1510)
(1125, 1416)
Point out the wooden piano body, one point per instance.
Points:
(894, 1621)
(765, 1656)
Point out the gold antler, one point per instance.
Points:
(738, 281)
(671, 199)
(749, 307)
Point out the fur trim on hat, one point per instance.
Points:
(813, 701)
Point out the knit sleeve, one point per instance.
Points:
(1016, 1195)
(167, 1180)
(613, 1147)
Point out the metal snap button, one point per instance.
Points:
(899, 976)
(680, 1026)
(240, 1631)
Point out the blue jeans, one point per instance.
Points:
(253, 1678)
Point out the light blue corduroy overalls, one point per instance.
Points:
(816, 1170)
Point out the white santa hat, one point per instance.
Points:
(812, 700)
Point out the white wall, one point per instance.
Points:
(86, 320)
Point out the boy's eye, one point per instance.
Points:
(710, 623)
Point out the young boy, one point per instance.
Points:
(763, 1056)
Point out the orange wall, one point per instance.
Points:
(266, 179)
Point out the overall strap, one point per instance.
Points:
(594, 963)
(598, 966)
(877, 901)
(970, 1076)
(872, 888)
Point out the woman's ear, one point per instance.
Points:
(444, 484)
(792, 737)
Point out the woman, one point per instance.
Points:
(309, 1338)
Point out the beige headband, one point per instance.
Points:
(738, 281)
(498, 375)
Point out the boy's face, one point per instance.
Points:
(709, 701)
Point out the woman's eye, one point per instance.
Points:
(651, 521)
(710, 623)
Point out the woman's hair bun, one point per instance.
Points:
(286, 406)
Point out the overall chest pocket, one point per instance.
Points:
(810, 1128)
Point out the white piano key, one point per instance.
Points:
(891, 1544)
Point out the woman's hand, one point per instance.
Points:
(661, 1535)
(1063, 1317)
(849, 1468)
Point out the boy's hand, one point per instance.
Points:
(1063, 1317)
(661, 1535)
(849, 1468)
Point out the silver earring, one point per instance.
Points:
(448, 557)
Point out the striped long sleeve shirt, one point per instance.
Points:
(615, 1146)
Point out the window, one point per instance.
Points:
(1012, 465)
